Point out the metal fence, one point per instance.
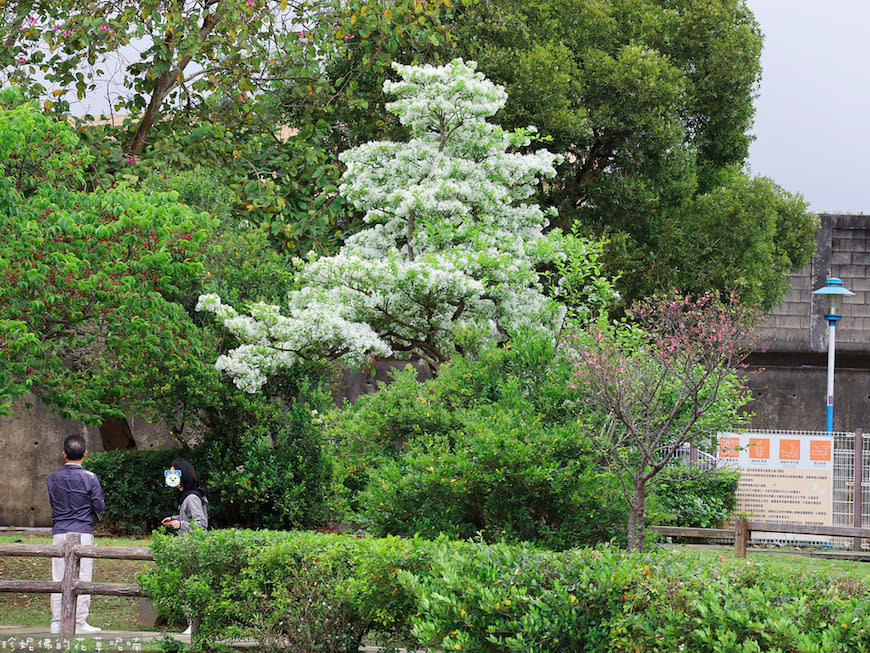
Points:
(843, 510)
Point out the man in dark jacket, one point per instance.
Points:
(76, 498)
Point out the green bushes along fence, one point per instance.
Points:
(309, 591)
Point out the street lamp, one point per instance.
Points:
(833, 292)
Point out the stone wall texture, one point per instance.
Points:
(789, 378)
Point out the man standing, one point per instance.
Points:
(76, 498)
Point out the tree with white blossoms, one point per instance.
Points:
(451, 256)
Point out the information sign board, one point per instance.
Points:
(784, 477)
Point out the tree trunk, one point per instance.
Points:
(164, 84)
(636, 517)
(162, 87)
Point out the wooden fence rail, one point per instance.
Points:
(70, 587)
(743, 529)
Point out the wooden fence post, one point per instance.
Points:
(858, 485)
(740, 536)
(69, 597)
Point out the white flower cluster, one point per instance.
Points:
(452, 246)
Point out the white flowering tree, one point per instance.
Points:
(451, 256)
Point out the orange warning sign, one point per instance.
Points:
(789, 449)
(820, 450)
(759, 447)
(729, 447)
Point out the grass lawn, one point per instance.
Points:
(786, 560)
(107, 612)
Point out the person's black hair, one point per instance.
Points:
(74, 447)
(188, 475)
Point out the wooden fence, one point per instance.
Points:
(70, 587)
(743, 529)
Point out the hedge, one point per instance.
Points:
(305, 591)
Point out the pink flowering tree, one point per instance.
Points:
(668, 378)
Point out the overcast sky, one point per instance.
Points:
(812, 121)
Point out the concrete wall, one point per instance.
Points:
(793, 398)
(797, 324)
(791, 366)
(31, 443)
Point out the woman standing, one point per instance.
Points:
(191, 503)
(191, 506)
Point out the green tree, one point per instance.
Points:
(651, 102)
(186, 49)
(91, 282)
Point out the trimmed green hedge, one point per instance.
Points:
(323, 592)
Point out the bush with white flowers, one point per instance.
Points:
(451, 256)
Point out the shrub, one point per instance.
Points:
(290, 591)
(688, 497)
(504, 477)
(322, 592)
(376, 430)
(261, 464)
(518, 599)
(136, 498)
(493, 445)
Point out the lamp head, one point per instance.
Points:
(833, 292)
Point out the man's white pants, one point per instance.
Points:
(86, 572)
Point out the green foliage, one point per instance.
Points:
(502, 477)
(262, 464)
(95, 279)
(136, 497)
(749, 232)
(198, 187)
(650, 101)
(375, 430)
(283, 181)
(501, 598)
(227, 42)
(321, 592)
(689, 497)
(35, 150)
(17, 346)
(491, 446)
(742, 607)
(289, 591)
(356, 48)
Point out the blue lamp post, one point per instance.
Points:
(833, 292)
